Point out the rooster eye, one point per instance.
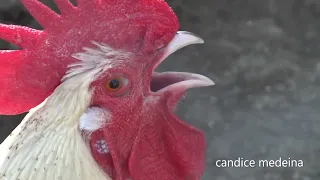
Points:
(114, 84)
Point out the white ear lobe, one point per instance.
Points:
(93, 119)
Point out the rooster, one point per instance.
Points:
(97, 108)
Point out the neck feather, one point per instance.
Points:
(48, 144)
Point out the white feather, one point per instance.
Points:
(96, 59)
(48, 143)
(93, 119)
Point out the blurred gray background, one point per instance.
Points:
(264, 57)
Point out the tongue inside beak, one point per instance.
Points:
(178, 82)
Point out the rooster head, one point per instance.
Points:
(122, 42)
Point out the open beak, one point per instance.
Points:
(178, 82)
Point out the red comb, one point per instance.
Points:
(30, 75)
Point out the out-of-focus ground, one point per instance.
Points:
(264, 57)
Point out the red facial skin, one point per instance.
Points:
(137, 26)
(146, 140)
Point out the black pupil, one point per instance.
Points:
(114, 84)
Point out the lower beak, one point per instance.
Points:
(178, 81)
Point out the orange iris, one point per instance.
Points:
(114, 84)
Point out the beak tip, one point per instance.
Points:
(210, 82)
(203, 80)
(198, 39)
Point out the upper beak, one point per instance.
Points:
(178, 82)
(180, 40)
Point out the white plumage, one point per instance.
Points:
(48, 145)
(93, 119)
